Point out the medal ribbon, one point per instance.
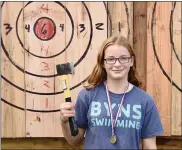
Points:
(109, 101)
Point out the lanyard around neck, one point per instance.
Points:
(109, 101)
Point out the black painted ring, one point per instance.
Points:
(45, 111)
(54, 75)
(171, 34)
(127, 14)
(72, 33)
(48, 111)
(155, 53)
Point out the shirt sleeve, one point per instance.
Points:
(152, 125)
(81, 108)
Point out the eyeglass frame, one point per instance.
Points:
(128, 58)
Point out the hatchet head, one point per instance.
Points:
(65, 69)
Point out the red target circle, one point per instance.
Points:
(44, 28)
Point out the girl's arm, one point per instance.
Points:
(149, 143)
(74, 141)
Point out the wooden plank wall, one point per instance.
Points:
(28, 89)
(13, 120)
(79, 30)
(121, 19)
(140, 35)
(176, 38)
(158, 58)
(163, 70)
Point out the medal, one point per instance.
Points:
(113, 139)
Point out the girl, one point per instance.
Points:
(112, 111)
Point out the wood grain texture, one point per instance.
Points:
(13, 119)
(61, 143)
(122, 19)
(40, 124)
(159, 40)
(139, 36)
(176, 38)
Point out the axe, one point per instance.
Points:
(63, 70)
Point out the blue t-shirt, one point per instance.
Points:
(139, 118)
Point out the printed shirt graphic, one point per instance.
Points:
(139, 118)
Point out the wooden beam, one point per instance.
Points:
(176, 67)
(139, 36)
(61, 143)
(158, 58)
(13, 119)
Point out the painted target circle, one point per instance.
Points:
(26, 72)
(42, 33)
(171, 33)
(44, 28)
(72, 24)
(155, 52)
(52, 35)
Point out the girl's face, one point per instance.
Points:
(117, 62)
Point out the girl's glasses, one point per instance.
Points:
(112, 60)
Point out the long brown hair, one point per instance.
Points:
(99, 74)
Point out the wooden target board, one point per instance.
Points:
(164, 62)
(36, 36)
